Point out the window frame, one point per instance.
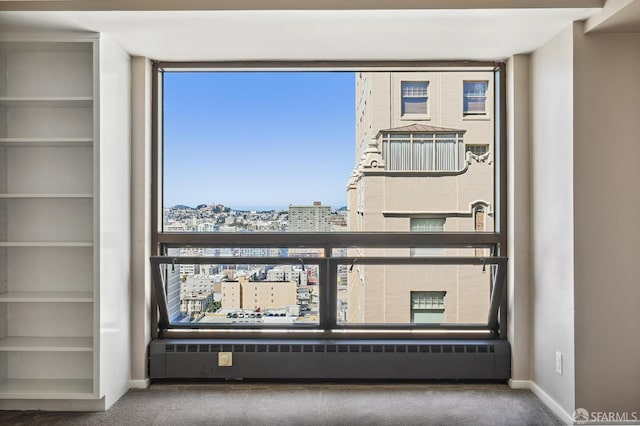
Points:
(495, 241)
(414, 115)
(426, 251)
(464, 99)
(413, 309)
(469, 147)
(436, 139)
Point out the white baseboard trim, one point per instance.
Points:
(139, 384)
(520, 384)
(551, 404)
(544, 397)
(54, 404)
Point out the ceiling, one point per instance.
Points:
(104, 5)
(624, 18)
(488, 34)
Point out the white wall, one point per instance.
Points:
(607, 221)
(518, 226)
(140, 218)
(552, 248)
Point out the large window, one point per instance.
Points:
(308, 201)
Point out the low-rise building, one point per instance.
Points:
(195, 304)
(288, 273)
(245, 294)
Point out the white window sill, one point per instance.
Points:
(415, 117)
(476, 117)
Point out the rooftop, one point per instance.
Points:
(421, 128)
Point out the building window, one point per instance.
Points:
(423, 152)
(479, 223)
(427, 225)
(478, 218)
(427, 307)
(477, 149)
(475, 97)
(414, 97)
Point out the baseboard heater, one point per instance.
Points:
(330, 359)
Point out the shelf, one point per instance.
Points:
(46, 389)
(46, 244)
(46, 344)
(19, 101)
(30, 142)
(37, 196)
(59, 296)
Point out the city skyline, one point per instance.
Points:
(268, 135)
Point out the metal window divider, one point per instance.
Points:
(327, 284)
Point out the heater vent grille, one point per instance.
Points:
(331, 348)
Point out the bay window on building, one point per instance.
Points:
(423, 148)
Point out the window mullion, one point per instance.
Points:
(329, 309)
(411, 151)
(433, 150)
(455, 153)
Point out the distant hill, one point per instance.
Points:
(221, 208)
(216, 208)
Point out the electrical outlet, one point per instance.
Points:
(225, 359)
(559, 363)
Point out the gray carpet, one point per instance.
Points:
(268, 404)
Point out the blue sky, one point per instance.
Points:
(258, 140)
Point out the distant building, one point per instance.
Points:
(206, 227)
(244, 294)
(200, 285)
(338, 221)
(195, 304)
(287, 273)
(194, 268)
(251, 252)
(315, 218)
(175, 227)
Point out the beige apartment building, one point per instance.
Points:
(245, 294)
(424, 152)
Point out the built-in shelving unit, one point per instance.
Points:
(47, 219)
(63, 302)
